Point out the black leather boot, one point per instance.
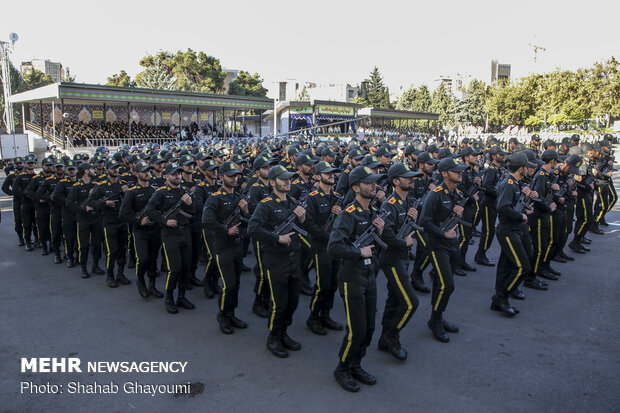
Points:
(44, 249)
(314, 324)
(142, 290)
(70, 261)
(85, 273)
(501, 304)
(345, 379)
(362, 375)
(120, 277)
(152, 290)
(57, 259)
(29, 246)
(110, 280)
(170, 305)
(274, 344)
(390, 342)
(258, 308)
(224, 322)
(96, 269)
(235, 322)
(184, 302)
(207, 287)
(436, 327)
(327, 322)
(21, 241)
(417, 281)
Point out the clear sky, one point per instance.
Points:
(320, 41)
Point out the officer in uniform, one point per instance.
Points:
(106, 198)
(145, 233)
(401, 302)
(260, 190)
(442, 245)
(45, 191)
(355, 159)
(226, 232)
(492, 176)
(27, 204)
(470, 181)
(322, 208)
(41, 205)
(8, 187)
(59, 197)
(422, 184)
(188, 183)
(281, 259)
(171, 207)
(356, 278)
(88, 227)
(513, 261)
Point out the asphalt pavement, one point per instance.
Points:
(560, 354)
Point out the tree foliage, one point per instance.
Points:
(120, 79)
(246, 84)
(378, 95)
(34, 78)
(157, 77)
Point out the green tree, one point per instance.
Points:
(195, 72)
(442, 103)
(34, 78)
(378, 95)
(247, 85)
(157, 77)
(120, 79)
(417, 100)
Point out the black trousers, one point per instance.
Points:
(559, 232)
(69, 233)
(401, 301)
(513, 262)
(229, 261)
(326, 282)
(489, 215)
(570, 217)
(17, 216)
(89, 235)
(261, 287)
(196, 235)
(28, 220)
(211, 271)
(464, 238)
(583, 213)
(116, 237)
(147, 242)
(358, 289)
(177, 244)
(42, 218)
(283, 275)
(540, 232)
(602, 203)
(56, 230)
(443, 278)
(422, 256)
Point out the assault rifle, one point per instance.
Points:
(332, 217)
(288, 225)
(454, 219)
(235, 217)
(175, 209)
(369, 236)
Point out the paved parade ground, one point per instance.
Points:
(560, 354)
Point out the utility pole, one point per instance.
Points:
(5, 49)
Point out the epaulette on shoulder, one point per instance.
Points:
(392, 200)
(313, 193)
(161, 187)
(102, 182)
(202, 183)
(49, 177)
(510, 181)
(296, 181)
(65, 180)
(133, 187)
(255, 184)
(438, 189)
(217, 193)
(77, 184)
(350, 208)
(266, 199)
(336, 193)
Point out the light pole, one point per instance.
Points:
(5, 49)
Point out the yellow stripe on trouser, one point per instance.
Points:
(163, 244)
(204, 237)
(421, 239)
(463, 235)
(350, 335)
(318, 282)
(518, 264)
(305, 241)
(603, 207)
(107, 244)
(585, 216)
(36, 220)
(539, 246)
(488, 228)
(135, 250)
(77, 226)
(405, 296)
(217, 261)
(273, 301)
(443, 285)
(550, 238)
(260, 269)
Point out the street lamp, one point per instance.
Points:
(5, 49)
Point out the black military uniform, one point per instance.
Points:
(41, 205)
(146, 237)
(45, 191)
(492, 176)
(195, 225)
(402, 302)
(357, 285)
(218, 209)
(114, 229)
(319, 212)
(281, 264)
(88, 227)
(69, 228)
(8, 187)
(513, 262)
(467, 186)
(26, 204)
(165, 205)
(443, 252)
